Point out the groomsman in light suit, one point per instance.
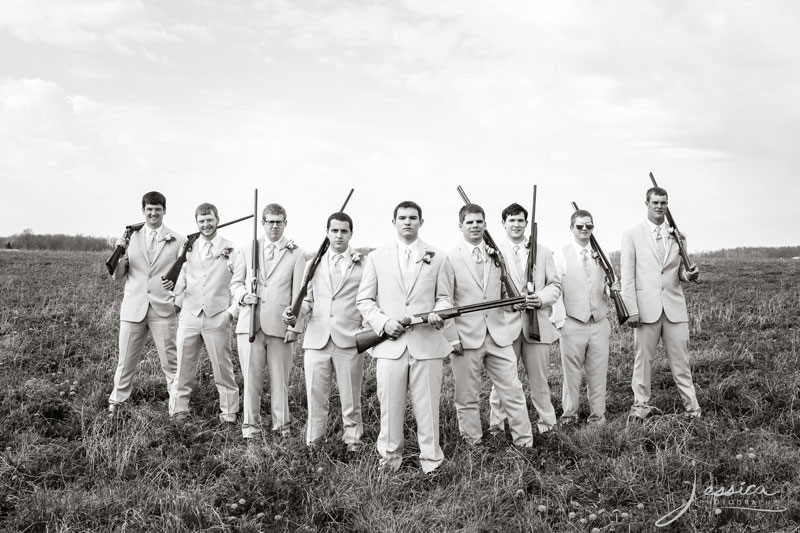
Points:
(651, 289)
(402, 279)
(482, 339)
(547, 288)
(203, 294)
(329, 340)
(147, 303)
(586, 329)
(280, 275)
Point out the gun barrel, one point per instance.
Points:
(254, 282)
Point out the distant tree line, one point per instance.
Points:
(753, 252)
(28, 240)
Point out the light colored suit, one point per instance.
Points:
(329, 344)
(585, 334)
(535, 355)
(486, 338)
(207, 312)
(652, 290)
(410, 365)
(277, 286)
(146, 306)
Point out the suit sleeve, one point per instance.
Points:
(445, 299)
(297, 283)
(628, 273)
(366, 299)
(552, 288)
(238, 284)
(308, 301)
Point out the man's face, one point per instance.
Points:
(515, 226)
(656, 208)
(407, 222)
(473, 228)
(339, 235)
(274, 226)
(582, 229)
(207, 224)
(154, 215)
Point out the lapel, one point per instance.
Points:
(141, 235)
(466, 256)
(417, 265)
(395, 266)
(648, 236)
(346, 274)
(161, 243)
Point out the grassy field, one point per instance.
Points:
(64, 466)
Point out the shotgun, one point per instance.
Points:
(254, 281)
(312, 268)
(530, 274)
(611, 277)
(687, 263)
(367, 339)
(119, 251)
(175, 270)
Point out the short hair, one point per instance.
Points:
(273, 209)
(341, 217)
(514, 209)
(154, 198)
(470, 209)
(407, 204)
(658, 191)
(206, 209)
(579, 213)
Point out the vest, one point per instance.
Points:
(583, 297)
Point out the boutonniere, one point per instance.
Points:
(491, 252)
(226, 252)
(290, 245)
(595, 255)
(355, 257)
(167, 237)
(527, 245)
(427, 255)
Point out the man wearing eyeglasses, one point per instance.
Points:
(280, 275)
(586, 329)
(547, 288)
(651, 275)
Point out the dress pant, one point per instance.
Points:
(675, 338)
(501, 365)
(265, 353)
(584, 349)
(132, 337)
(535, 358)
(349, 368)
(420, 379)
(215, 333)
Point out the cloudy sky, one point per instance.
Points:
(205, 100)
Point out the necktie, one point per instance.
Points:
(270, 255)
(336, 273)
(517, 258)
(408, 268)
(476, 255)
(207, 255)
(152, 242)
(660, 248)
(585, 261)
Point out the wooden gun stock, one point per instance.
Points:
(687, 263)
(119, 251)
(499, 262)
(312, 268)
(534, 335)
(611, 277)
(175, 269)
(254, 281)
(368, 338)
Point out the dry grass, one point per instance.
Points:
(65, 467)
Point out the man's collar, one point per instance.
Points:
(481, 246)
(413, 246)
(280, 243)
(579, 249)
(653, 225)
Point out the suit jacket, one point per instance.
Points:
(465, 286)
(143, 280)
(205, 286)
(276, 287)
(383, 295)
(648, 286)
(547, 283)
(332, 311)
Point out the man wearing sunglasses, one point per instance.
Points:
(651, 276)
(585, 331)
(280, 275)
